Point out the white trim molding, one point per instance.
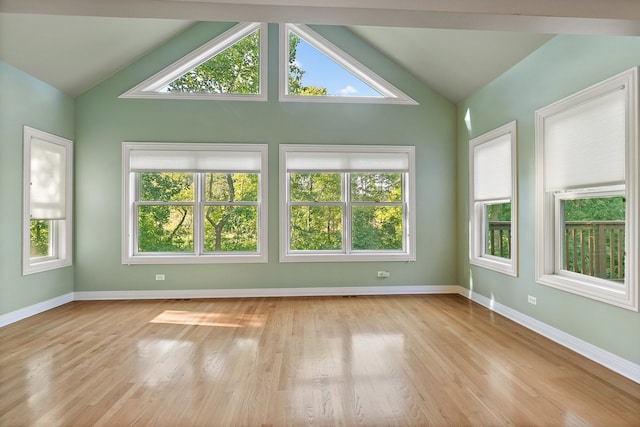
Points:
(609, 360)
(34, 309)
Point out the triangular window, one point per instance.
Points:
(231, 66)
(312, 69)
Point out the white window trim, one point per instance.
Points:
(129, 255)
(408, 252)
(624, 295)
(61, 229)
(390, 93)
(477, 233)
(149, 88)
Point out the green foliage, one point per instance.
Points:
(235, 70)
(319, 227)
(227, 227)
(376, 187)
(315, 228)
(498, 232)
(315, 187)
(376, 228)
(39, 236)
(231, 228)
(595, 209)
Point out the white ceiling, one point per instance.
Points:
(455, 46)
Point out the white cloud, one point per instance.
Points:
(349, 90)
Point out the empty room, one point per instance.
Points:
(353, 213)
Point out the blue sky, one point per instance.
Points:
(321, 71)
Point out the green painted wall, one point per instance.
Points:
(25, 100)
(563, 66)
(104, 122)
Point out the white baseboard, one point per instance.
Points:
(34, 309)
(609, 360)
(265, 292)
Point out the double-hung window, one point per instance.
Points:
(587, 192)
(493, 234)
(194, 203)
(47, 201)
(347, 203)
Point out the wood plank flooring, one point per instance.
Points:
(436, 360)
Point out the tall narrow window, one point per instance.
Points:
(587, 192)
(493, 234)
(47, 200)
(346, 203)
(194, 203)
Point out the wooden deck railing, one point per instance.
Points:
(594, 248)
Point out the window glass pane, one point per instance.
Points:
(165, 229)
(231, 187)
(166, 187)
(377, 228)
(235, 70)
(315, 187)
(316, 228)
(594, 234)
(231, 229)
(498, 229)
(312, 73)
(376, 187)
(40, 232)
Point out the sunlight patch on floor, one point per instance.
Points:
(225, 320)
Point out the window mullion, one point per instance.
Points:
(346, 212)
(198, 214)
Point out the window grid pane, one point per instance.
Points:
(593, 237)
(315, 228)
(497, 236)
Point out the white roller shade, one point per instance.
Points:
(47, 193)
(142, 160)
(492, 169)
(320, 161)
(584, 146)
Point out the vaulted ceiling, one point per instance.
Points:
(455, 46)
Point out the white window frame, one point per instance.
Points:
(390, 93)
(60, 229)
(477, 207)
(150, 87)
(129, 203)
(548, 212)
(408, 252)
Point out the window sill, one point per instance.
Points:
(499, 265)
(191, 259)
(610, 292)
(309, 257)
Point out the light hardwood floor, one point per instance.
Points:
(347, 361)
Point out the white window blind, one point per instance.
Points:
(492, 169)
(146, 160)
(318, 161)
(48, 180)
(584, 146)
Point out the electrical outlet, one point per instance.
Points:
(383, 274)
(531, 300)
(159, 276)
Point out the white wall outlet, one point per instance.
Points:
(383, 274)
(531, 300)
(159, 276)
